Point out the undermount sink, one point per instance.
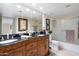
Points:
(8, 41)
(24, 36)
(41, 35)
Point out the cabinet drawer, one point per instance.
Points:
(32, 52)
(31, 46)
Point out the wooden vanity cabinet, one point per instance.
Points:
(17, 52)
(31, 49)
(37, 46)
(43, 47)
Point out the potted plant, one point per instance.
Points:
(50, 32)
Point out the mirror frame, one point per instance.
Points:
(22, 22)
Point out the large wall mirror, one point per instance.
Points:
(19, 20)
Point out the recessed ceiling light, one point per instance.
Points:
(34, 12)
(18, 6)
(27, 9)
(41, 8)
(34, 4)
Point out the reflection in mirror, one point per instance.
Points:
(9, 23)
(8, 20)
(17, 20)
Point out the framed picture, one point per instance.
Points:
(22, 24)
(48, 24)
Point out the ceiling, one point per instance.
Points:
(37, 9)
(57, 9)
(12, 10)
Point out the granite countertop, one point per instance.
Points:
(17, 41)
(14, 42)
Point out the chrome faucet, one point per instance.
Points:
(7, 36)
(12, 37)
(2, 38)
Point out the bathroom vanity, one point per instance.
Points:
(32, 46)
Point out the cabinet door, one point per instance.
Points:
(31, 52)
(17, 52)
(31, 45)
(31, 49)
(40, 48)
(46, 46)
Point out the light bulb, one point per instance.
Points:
(27, 9)
(18, 6)
(34, 4)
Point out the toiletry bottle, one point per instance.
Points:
(7, 36)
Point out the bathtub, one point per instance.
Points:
(67, 48)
